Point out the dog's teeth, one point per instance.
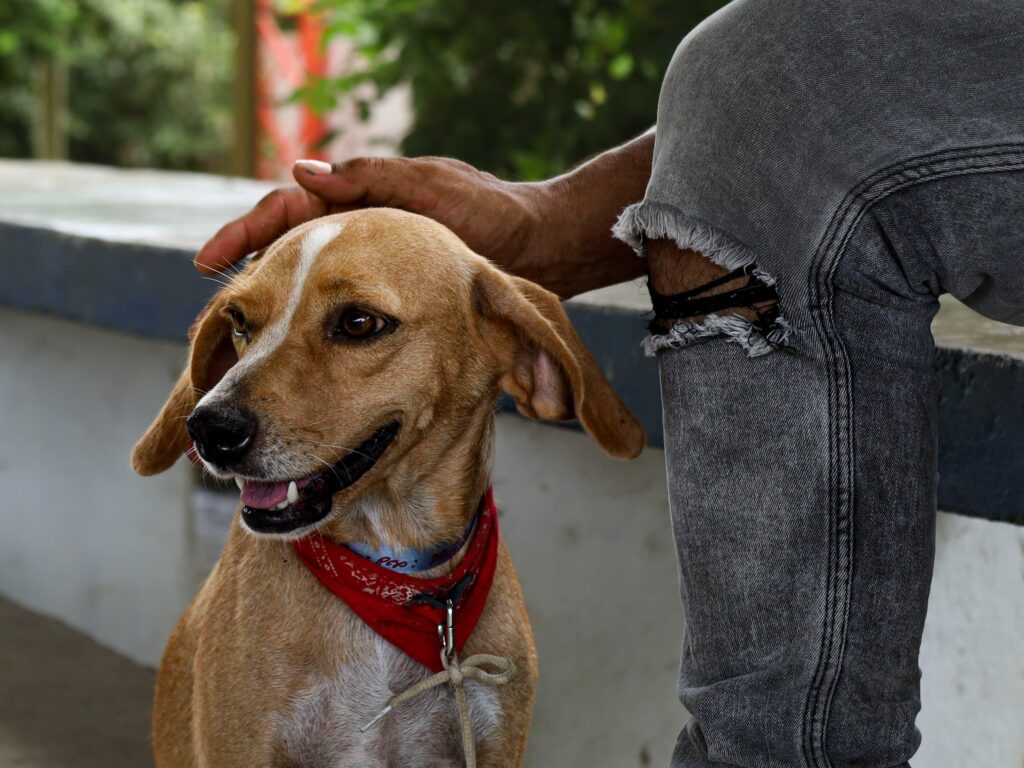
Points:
(281, 506)
(240, 483)
(293, 492)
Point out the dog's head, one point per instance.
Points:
(357, 348)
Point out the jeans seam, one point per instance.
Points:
(821, 291)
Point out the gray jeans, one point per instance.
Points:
(865, 157)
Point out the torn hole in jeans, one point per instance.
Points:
(747, 315)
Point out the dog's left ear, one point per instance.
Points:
(544, 366)
(210, 357)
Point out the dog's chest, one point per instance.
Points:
(322, 728)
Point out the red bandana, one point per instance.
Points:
(403, 609)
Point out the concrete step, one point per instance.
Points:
(67, 701)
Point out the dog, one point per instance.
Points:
(347, 379)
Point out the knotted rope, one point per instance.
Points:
(455, 674)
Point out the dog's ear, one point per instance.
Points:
(210, 357)
(544, 366)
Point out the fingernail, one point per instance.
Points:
(313, 167)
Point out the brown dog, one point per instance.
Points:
(375, 344)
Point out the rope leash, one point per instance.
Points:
(455, 673)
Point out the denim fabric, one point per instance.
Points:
(867, 157)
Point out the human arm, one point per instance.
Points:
(556, 232)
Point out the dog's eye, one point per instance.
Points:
(356, 323)
(238, 327)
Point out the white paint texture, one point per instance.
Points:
(113, 555)
(82, 537)
(973, 655)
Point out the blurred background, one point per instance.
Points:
(130, 130)
(521, 89)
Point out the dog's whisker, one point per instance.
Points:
(215, 279)
(318, 421)
(329, 466)
(204, 475)
(329, 445)
(311, 441)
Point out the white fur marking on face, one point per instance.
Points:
(274, 334)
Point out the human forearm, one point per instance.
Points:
(573, 249)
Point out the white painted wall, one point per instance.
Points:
(81, 537)
(972, 657)
(117, 556)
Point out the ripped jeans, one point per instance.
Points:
(863, 159)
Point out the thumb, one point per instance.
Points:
(372, 181)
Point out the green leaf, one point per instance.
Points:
(621, 66)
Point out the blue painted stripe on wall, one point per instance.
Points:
(149, 291)
(155, 292)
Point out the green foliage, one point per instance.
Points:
(30, 31)
(523, 88)
(148, 80)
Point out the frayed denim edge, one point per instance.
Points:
(735, 329)
(651, 221)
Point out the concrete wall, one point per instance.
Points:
(118, 557)
(81, 537)
(973, 652)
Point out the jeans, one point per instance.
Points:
(864, 158)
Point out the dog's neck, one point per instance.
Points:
(430, 495)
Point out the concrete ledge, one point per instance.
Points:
(113, 248)
(141, 289)
(981, 423)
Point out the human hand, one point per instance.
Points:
(496, 218)
(556, 233)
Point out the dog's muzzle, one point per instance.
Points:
(223, 434)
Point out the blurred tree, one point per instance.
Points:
(29, 34)
(522, 89)
(148, 80)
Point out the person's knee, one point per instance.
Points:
(687, 286)
(755, 56)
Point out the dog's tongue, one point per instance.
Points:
(263, 495)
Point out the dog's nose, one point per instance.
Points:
(223, 433)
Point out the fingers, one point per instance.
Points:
(272, 216)
(388, 181)
(412, 185)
